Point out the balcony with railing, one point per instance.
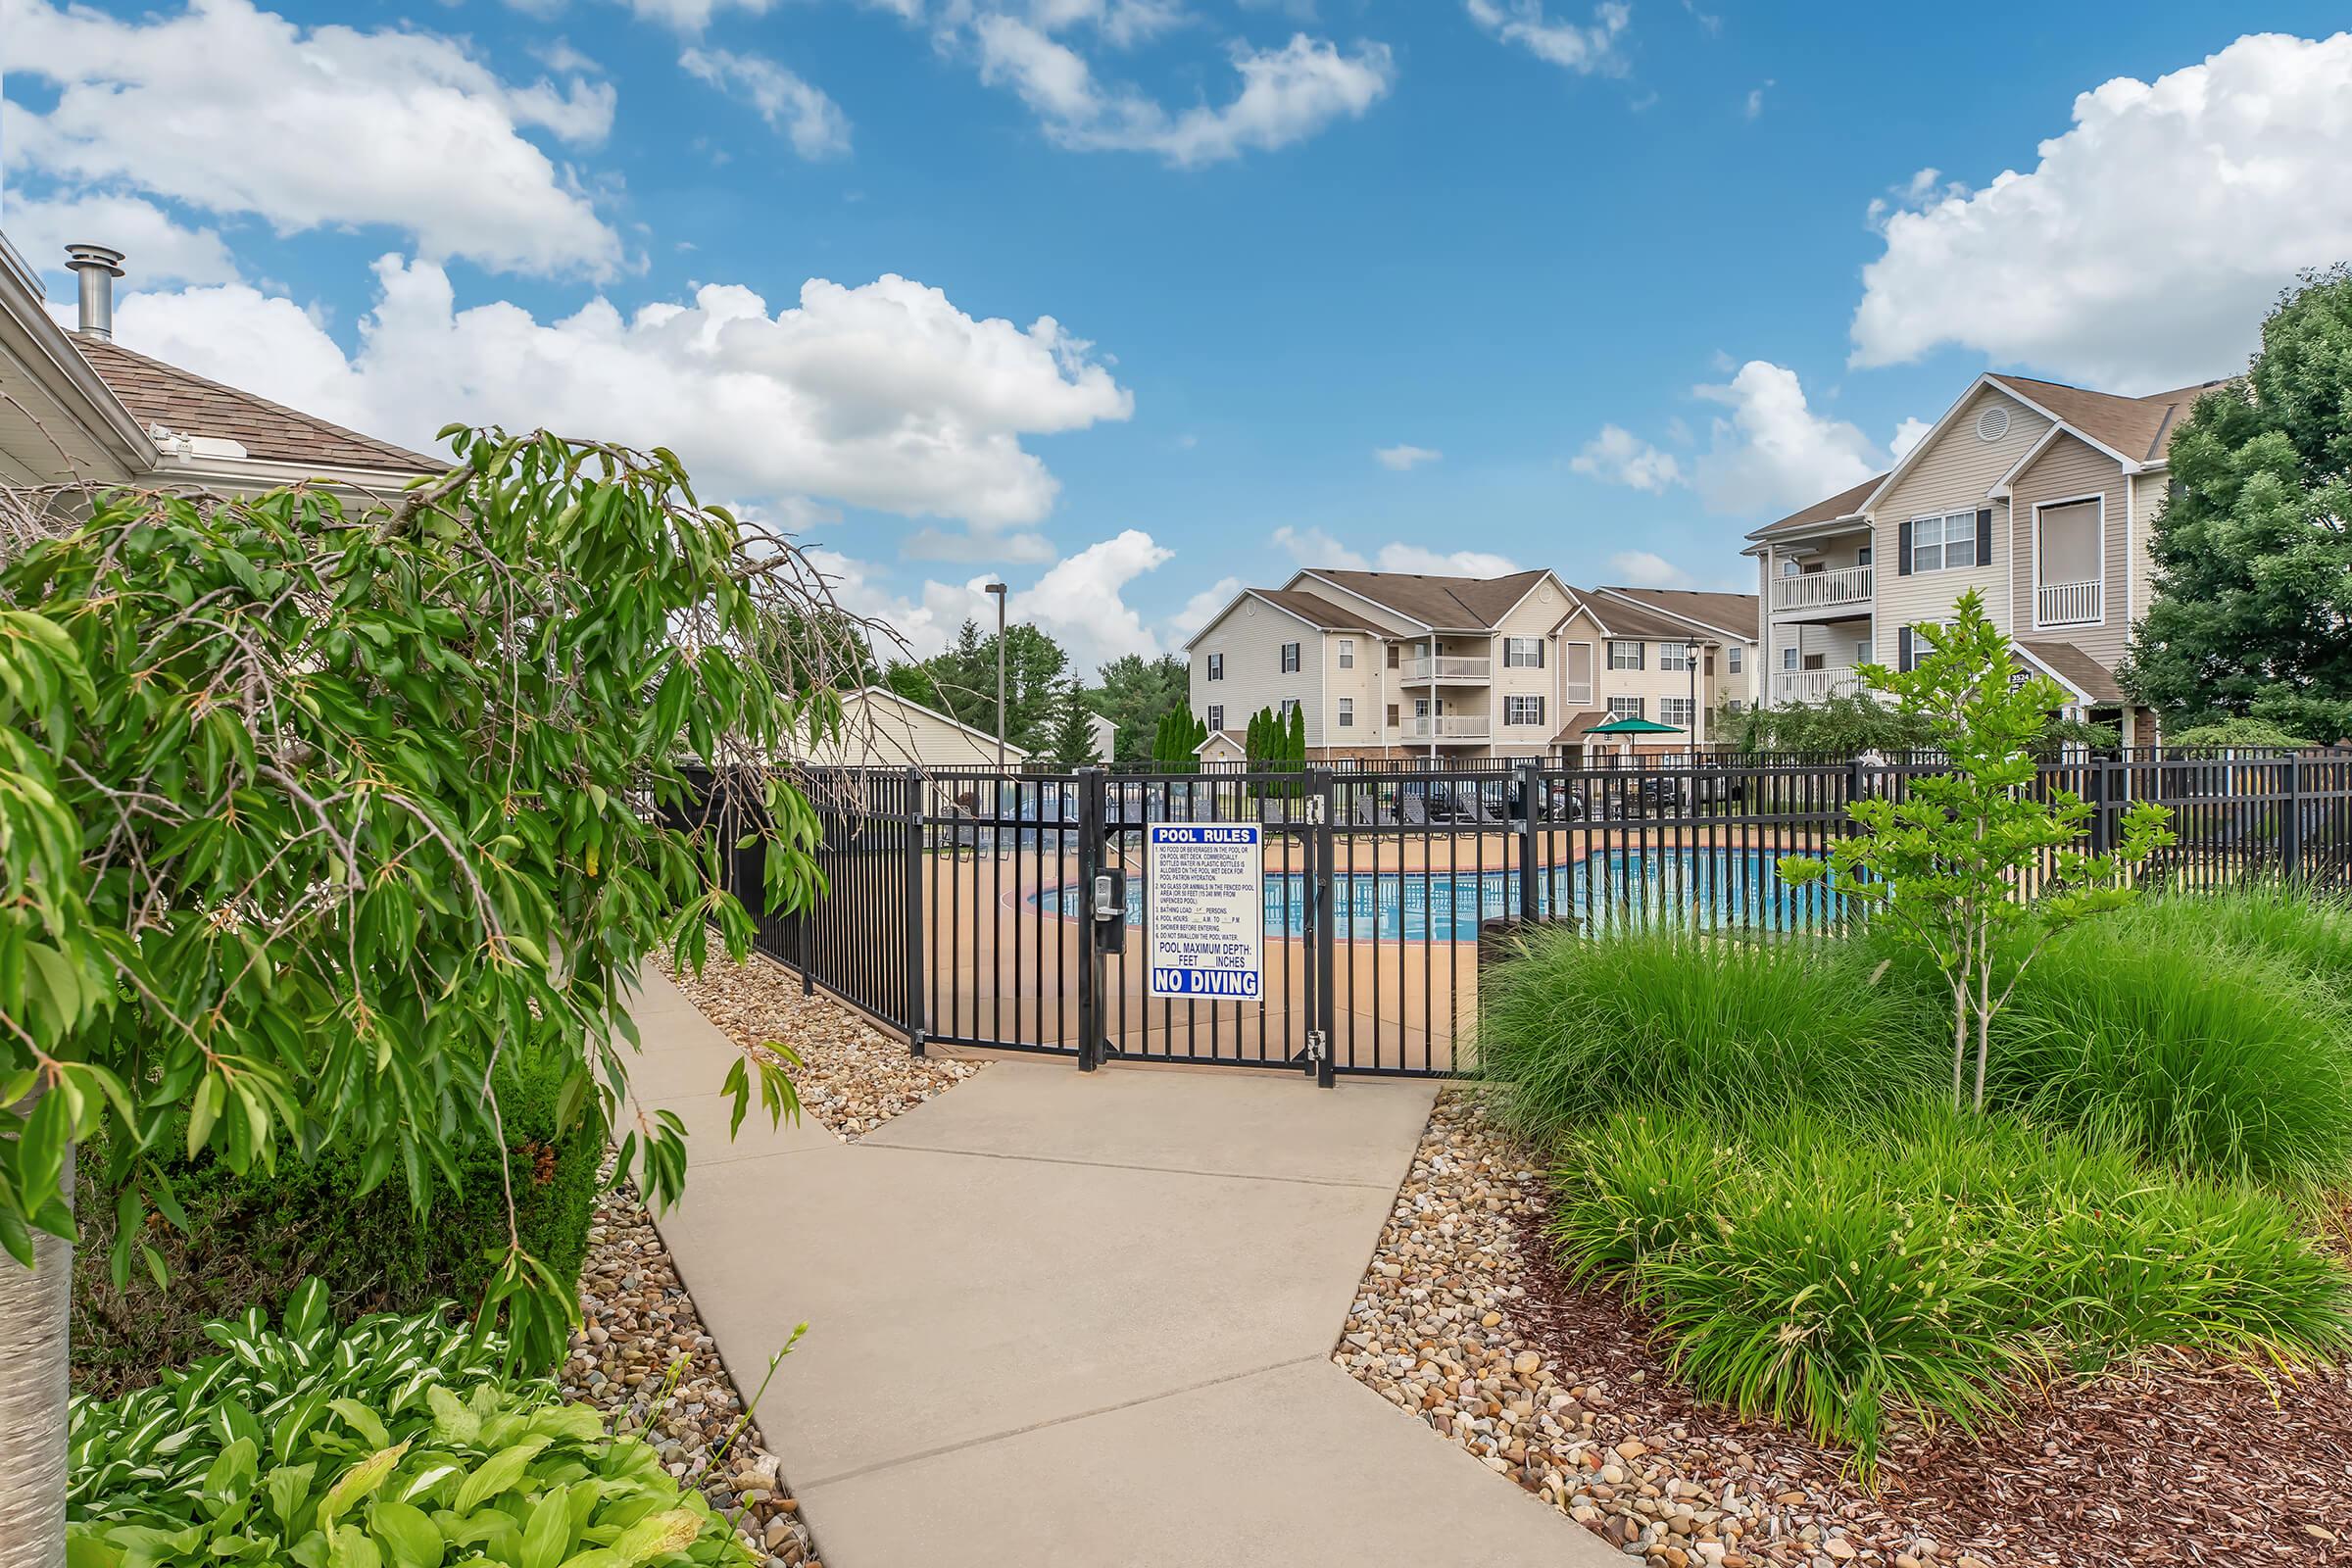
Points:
(2069, 604)
(1449, 669)
(1813, 685)
(1837, 591)
(1446, 728)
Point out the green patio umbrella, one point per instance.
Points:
(1634, 727)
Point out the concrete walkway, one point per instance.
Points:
(1062, 1320)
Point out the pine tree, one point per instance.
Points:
(1073, 730)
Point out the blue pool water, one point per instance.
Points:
(1710, 888)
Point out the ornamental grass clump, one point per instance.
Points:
(2212, 1058)
(1579, 1027)
(1925, 1263)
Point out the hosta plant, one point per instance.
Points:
(396, 1443)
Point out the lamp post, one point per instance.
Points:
(997, 589)
(1690, 653)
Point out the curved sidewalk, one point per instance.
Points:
(1066, 1320)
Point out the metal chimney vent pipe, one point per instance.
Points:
(98, 267)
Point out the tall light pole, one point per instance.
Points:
(997, 589)
(1690, 653)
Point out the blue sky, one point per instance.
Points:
(1591, 278)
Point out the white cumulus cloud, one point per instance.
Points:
(1286, 95)
(1772, 453)
(236, 111)
(883, 395)
(1585, 49)
(811, 121)
(1908, 434)
(1617, 455)
(1312, 546)
(2143, 249)
(1643, 569)
(1403, 457)
(160, 248)
(1079, 601)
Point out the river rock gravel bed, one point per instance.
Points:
(851, 1076)
(642, 1356)
(1462, 1321)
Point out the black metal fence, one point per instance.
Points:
(958, 911)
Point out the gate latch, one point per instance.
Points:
(1315, 805)
(1109, 911)
(1318, 1045)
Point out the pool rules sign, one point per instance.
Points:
(1207, 911)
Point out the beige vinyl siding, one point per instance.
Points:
(2067, 470)
(2148, 494)
(1533, 616)
(1953, 475)
(1650, 683)
(1250, 634)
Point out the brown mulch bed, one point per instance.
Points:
(2165, 1464)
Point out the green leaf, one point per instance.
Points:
(406, 1533)
(496, 1474)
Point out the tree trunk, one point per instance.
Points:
(34, 1309)
(1959, 1039)
(1984, 1026)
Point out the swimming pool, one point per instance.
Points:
(1709, 887)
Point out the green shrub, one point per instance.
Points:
(1827, 1273)
(2205, 1053)
(1580, 1026)
(388, 1443)
(251, 1239)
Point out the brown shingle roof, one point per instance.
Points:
(188, 403)
(1578, 723)
(1634, 621)
(2077, 668)
(1736, 613)
(1315, 610)
(2140, 428)
(1445, 603)
(1844, 504)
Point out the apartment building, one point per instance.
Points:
(1685, 658)
(2037, 494)
(1390, 665)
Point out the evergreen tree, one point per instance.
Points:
(1136, 694)
(2253, 551)
(1074, 731)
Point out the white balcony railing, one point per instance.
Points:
(1577, 695)
(1448, 727)
(1449, 667)
(1822, 590)
(2068, 603)
(1813, 685)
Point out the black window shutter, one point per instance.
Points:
(1538, 665)
(1539, 709)
(1902, 560)
(1902, 646)
(1640, 656)
(1983, 537)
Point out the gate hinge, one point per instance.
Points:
(1318, 1045)
(1316, 811)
